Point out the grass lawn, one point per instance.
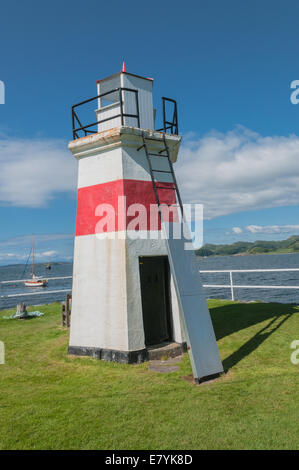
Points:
(49, 400)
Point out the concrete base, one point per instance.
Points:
(131, 357)
(166, 350)
(127, 357)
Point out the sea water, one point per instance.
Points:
(15, 272)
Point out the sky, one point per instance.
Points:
(228, 64)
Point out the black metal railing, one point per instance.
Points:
(87, 128)
(172, 124)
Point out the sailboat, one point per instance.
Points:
(35, 281)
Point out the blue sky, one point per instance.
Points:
(228, 64)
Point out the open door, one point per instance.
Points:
(155, 288)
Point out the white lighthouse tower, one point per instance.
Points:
(127, 299)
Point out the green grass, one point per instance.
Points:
(281, 251)
(49, 400)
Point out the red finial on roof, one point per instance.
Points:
(124, 67)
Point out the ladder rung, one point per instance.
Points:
(158, 154)
(165, 187)
(156, 187)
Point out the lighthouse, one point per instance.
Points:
(129, 297)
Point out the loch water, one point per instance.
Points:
(280, 261)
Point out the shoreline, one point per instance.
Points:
(249, 254)
(200, 256)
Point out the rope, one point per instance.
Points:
(26, 264)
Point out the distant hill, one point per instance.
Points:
(291, 245)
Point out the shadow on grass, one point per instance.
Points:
(231, 318)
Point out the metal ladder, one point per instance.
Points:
(153, 170)
(204, 354)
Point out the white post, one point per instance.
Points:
(231, 285)
(2, 353)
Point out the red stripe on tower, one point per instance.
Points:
(114, 206)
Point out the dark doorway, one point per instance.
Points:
(155, 294)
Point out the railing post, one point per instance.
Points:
(137, 108)
(231, 285)
(176, 131)
(164, 114)
(73, 123)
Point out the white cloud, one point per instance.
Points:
(32, 172)
(232, 172)
(48, 247)
(9, 256)
(237, 230)
(26, 240)
(240, 170)
(272, 228)
(46, 254)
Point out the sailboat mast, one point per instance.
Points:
(32, 255)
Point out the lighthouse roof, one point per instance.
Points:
(115, 75)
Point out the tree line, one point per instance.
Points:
(290, 245)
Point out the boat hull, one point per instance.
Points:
(41, 283)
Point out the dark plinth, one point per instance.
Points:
(127, 357)
(131, 357)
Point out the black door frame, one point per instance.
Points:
(167, 287)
